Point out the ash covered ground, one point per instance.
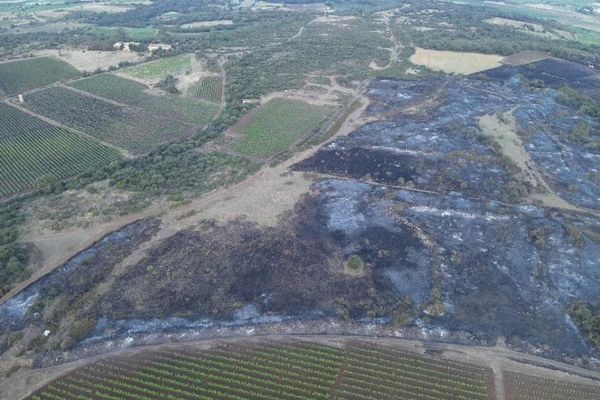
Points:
(424, 231)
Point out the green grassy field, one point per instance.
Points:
(130, 128)
(586, 36)
(209, 88)
(161, 68)
(135, 34)
(190, 111)
(22, 75)
(31, 149)
(279, 124)
(274, 371)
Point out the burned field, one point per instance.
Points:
(430, 138)
(422, 227)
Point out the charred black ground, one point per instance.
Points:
(425, 229)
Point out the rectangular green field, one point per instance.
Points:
(279, 124)
(31, 149)
(133, 34)
(130, 128)
(133, 93)
(22, 75)
(161, 68)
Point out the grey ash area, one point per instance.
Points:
(449, 249)
(430, 137)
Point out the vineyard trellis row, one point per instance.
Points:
(524, 387)
(292, 371)
(209, 88)
(132, 93)
(26, 158)
(279, 124)
(132, 129)
(22, 75)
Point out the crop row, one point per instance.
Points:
(112, 87)
(49, 152)
(131, 129)
(14, 122)
(21, 75)
(524, 387)
(186, 110)
(161, 68)
(209, 88)
(263, 371)
(279, 124)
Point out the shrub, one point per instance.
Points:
(355, 263)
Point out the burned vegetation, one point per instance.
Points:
(429, 224)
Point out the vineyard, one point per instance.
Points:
(112, 87)
(15, 122)
(273, 371)
(132, 93)
(279, 124)
(22, 75)
(31, 149)
(209, 88)
(524, 387)
(132, 129)
(160, 69)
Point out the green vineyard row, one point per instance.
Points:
(267, 371)
(49, 152)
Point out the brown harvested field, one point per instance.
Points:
(453, 62)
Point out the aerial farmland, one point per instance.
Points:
(299, 200)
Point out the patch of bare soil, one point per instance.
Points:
(101, 8)
(185, 80)
(515, 24)
(333, 19)
(89, 61)
(453, 62)
(203, 24)
(389, 34)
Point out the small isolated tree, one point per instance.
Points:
(355, 263)
(45, 180)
